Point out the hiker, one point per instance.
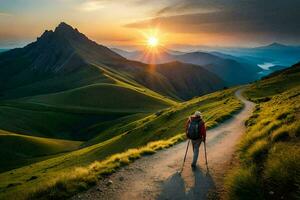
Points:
(195, 130)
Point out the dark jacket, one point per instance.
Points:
(202, 129)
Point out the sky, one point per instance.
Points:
(175, 22)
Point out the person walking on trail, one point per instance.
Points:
(196, 131)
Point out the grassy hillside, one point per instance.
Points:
(17, 150)
(103, 97)
(269, 153)
(69, 114)
(177, 80)
(165, 122)
(66, 174)
(30, 119)
(26, 82)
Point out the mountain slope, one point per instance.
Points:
(117, 98)
(175, 79)
(69, 113)
(17, 150)
(55, 55)
(232, 71)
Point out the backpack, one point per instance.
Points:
(193, 132)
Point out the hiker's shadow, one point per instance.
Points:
(175, 188)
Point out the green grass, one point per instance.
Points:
(81, 112)
(173, 79)
(242, 184)
(70, 113)
(17, 150)
(30, 119)
(77, 114)
(142, 136)
(108, 97)
(24, 82)
(125, 80)
(269, 152)
(83, 177)
(282, 173)
(217, 107)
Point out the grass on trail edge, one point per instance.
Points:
(269, 153)
(82, 178)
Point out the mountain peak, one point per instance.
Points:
(63, 30)
(64, 27)
(67, 31)
(276, 45)
(66, 48)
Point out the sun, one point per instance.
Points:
(152, 41)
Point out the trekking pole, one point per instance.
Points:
(187, 147)
(205, 155)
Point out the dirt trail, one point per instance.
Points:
(157, 177)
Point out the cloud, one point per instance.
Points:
(94, 5)
(275, 18)
(181, 6)
(90, 6)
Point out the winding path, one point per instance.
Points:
(157, 177)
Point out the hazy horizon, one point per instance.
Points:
(177, 23)
(133, 47)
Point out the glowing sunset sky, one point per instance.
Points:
(123, 22)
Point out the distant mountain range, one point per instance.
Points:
(231, 69)
(276, 53)
(244, 63)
